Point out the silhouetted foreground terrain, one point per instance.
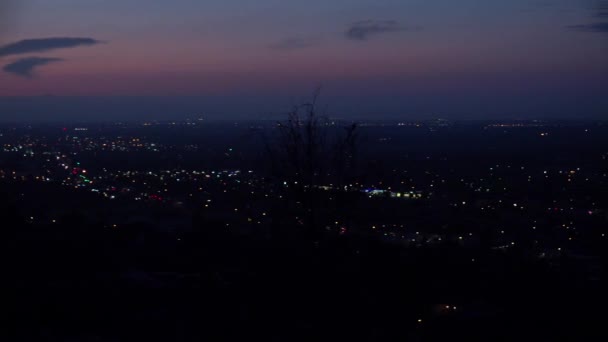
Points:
(85, 283)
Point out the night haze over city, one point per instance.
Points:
(362, 170)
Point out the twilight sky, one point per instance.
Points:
(382, 58)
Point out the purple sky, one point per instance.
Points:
(445, 57)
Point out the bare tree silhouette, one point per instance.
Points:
(309, 153)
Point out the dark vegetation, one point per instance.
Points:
(73, 282)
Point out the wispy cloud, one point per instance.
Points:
(293, 43)
(362, 30)
(25, 67)
(44, 44)
(600, 11)
(595, 27)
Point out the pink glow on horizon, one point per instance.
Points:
(214, 67)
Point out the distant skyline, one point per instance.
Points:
(240, 59)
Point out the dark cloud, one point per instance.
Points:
(25, 67)
(44, 44)
(362, 30)
(295, 43)
(601, 9)
(595, 27)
